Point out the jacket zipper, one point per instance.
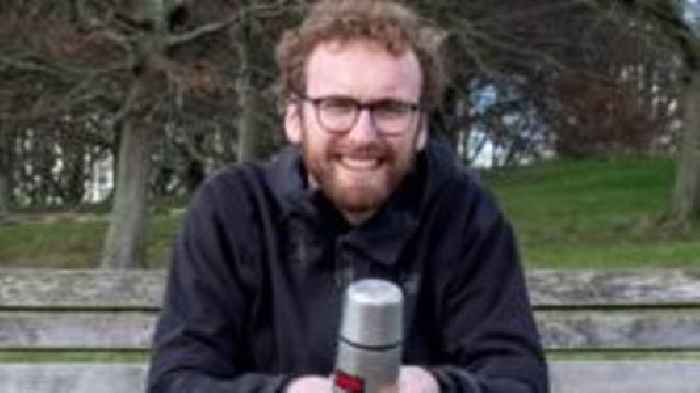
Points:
(344, 270)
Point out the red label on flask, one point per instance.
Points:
(349, 383)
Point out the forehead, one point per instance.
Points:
(362, 69)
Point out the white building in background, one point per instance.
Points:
(102, 182)
(692, 14)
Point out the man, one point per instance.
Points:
(254, 293)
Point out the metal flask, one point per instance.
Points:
(371, 332)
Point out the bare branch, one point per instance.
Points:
(265, 10)
(209, 28)
(532, 12)
(30, 66)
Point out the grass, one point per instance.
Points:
(594, 214)
(568, 214)
(73, 242)
(73, 356)
(620, 355)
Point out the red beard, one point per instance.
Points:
(353, 188)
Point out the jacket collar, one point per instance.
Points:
(384, 235)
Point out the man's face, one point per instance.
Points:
(358, 169)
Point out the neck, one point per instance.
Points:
(357, 218)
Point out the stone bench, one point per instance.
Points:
(86, 331)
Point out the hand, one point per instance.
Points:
(413, 379)
(310, 384)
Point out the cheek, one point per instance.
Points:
(319, 147)
(407, 148)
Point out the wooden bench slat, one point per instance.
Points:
(652, 287)
(633, 330)
(38, 288)
(144, 288)
(625, 376)
(566, 377)
(72, 378)
(577, 312)
(571, 330)
(76, 330)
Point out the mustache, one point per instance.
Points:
(369, 150)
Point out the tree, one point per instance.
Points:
(140, 67)
(175, 87)
(558, 72)
(678, 32)
(5, 171)
(663, 22)
(250, 100)
(153, 69)
(686, 196)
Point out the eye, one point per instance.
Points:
(392, 108)
(338, 105)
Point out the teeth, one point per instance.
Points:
(359, 163)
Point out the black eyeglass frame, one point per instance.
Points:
(359, 107)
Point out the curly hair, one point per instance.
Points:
(390, 24)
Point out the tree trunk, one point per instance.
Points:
(5, 173)
(250, 138)
(250, 130)
(4, 195)
(686, 197)
(125, 245)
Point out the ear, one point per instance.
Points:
(292, 123)
(422, 137)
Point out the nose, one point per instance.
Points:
(364, 129)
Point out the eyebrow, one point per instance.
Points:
(365, 100)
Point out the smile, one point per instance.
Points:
(360, 164)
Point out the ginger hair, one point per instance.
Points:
(389, 24)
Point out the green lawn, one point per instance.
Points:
(594, 214)
(567, 214)
(73, 356)
(72, 241)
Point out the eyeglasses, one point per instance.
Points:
(339, 114)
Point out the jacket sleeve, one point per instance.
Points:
(197, 345)
(489, 334)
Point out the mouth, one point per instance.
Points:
(359, 164)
